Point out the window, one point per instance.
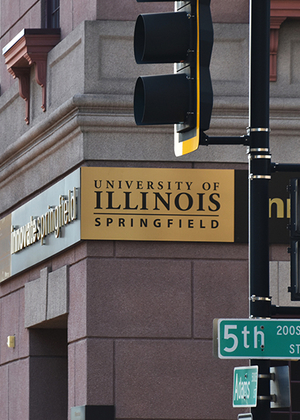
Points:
(50, 14)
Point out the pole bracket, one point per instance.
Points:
(224, 140)
(269, 376)
(255, 298)
(272, 397)
(285, 167)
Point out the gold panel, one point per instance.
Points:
(157, 204)
(5, 258)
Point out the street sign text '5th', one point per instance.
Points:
(257, 338)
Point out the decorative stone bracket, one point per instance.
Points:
(280, 11)
(30, 47)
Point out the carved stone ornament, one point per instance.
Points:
(30, 47)
(280, 11)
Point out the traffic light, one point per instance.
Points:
(185, 98)
(295, 239)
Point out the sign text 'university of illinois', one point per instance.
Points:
(157, 204)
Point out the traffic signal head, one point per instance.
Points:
(183, 37)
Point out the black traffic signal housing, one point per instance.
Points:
(185, 98)
(295, 239)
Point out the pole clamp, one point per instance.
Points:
(259, 317)
(254, 298)
(259, 149)
(251, 177)
(260, 156)
(272, 398)
(256, 130)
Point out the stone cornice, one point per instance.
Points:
(88, 112)
(79, 113)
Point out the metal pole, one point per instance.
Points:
(259, 176)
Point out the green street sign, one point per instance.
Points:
(245, 386)
(257, 339)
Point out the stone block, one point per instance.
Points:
(139, 298)
(4, 392)
(64, 81)
(128, 10)
(172, 379)
(100, 372)
(179, 250)
(220, 291)
(57, 299)
(46, 298)
(229, 61)
(18, 389)
(77, 323)
(10, 326)
(71, 375)
(36, 300)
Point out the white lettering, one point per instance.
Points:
(262, 338)
(245, 332)
(51, 222)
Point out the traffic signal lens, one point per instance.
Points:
(161, 99)
(162, 38)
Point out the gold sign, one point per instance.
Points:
(157, 204)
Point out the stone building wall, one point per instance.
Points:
(126, 323)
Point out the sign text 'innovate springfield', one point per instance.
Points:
(157, 204)
(49, 222)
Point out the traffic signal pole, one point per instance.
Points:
(259, 176)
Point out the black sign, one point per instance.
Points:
(279, 206)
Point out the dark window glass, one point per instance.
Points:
(50, 14)
(54, 13)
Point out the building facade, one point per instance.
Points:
(122, 324)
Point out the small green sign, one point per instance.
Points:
(245, 386)
(258, 339)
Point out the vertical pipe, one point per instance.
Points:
(259, 175)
